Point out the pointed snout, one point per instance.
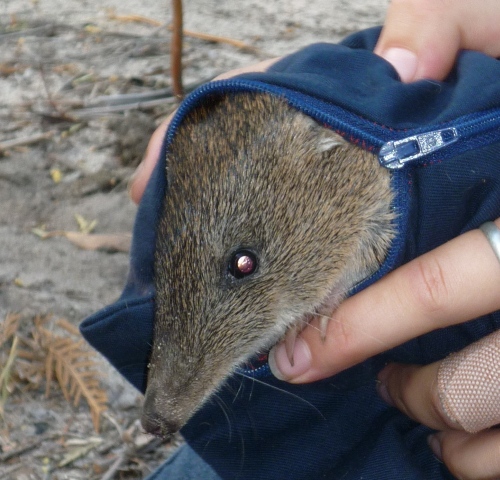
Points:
(157, 422)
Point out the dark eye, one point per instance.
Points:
(242, 263)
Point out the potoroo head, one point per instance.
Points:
(268, 220)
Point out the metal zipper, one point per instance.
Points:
(395, 154)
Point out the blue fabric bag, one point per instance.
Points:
(442, 142)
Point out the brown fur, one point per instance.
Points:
(250, 171)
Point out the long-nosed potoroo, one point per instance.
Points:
(268, 221)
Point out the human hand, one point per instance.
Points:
(139, 180)
(421, 38)
(456, 282)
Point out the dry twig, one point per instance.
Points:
(186, 33)
(5, 374)
(176, 49)
(8, 331)
(120, 460)
(23, 141)
(24, 449)
(218, 39)
(133, 19)
(8, 471)
(92, 112)
(78, 450)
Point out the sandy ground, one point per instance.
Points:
(58, 57)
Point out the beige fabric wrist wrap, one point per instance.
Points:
(469, 384)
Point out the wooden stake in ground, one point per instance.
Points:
(176, 49)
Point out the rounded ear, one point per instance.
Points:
(325, 138)
(328, 140)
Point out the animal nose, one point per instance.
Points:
(155, 423)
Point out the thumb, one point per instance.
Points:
(421, 38)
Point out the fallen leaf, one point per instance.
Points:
(84, 225)
(77, 452)
(56, 175)
(119, 242)
(110, 242)
(92, 29)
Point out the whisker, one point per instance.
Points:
(251, 390)
(225, 411)
(297, 397)
(231, 389)
(359, 330)
(238, 392)
(307, 323)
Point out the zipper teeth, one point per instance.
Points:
(262, 370)
(395, 154)
(368, 138)
(468, 128)
(356, 133)
(476, 125)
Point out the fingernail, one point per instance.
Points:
(280, 365)
(383, 393)
(404, 61)
(382, 380)
(435, 445)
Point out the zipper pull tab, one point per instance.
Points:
(396, 154)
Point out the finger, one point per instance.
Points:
(469, 456)
(456, 282)
(421, 38)
(140, 178)
(460, 392)
(468, 384)
(413, 390)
